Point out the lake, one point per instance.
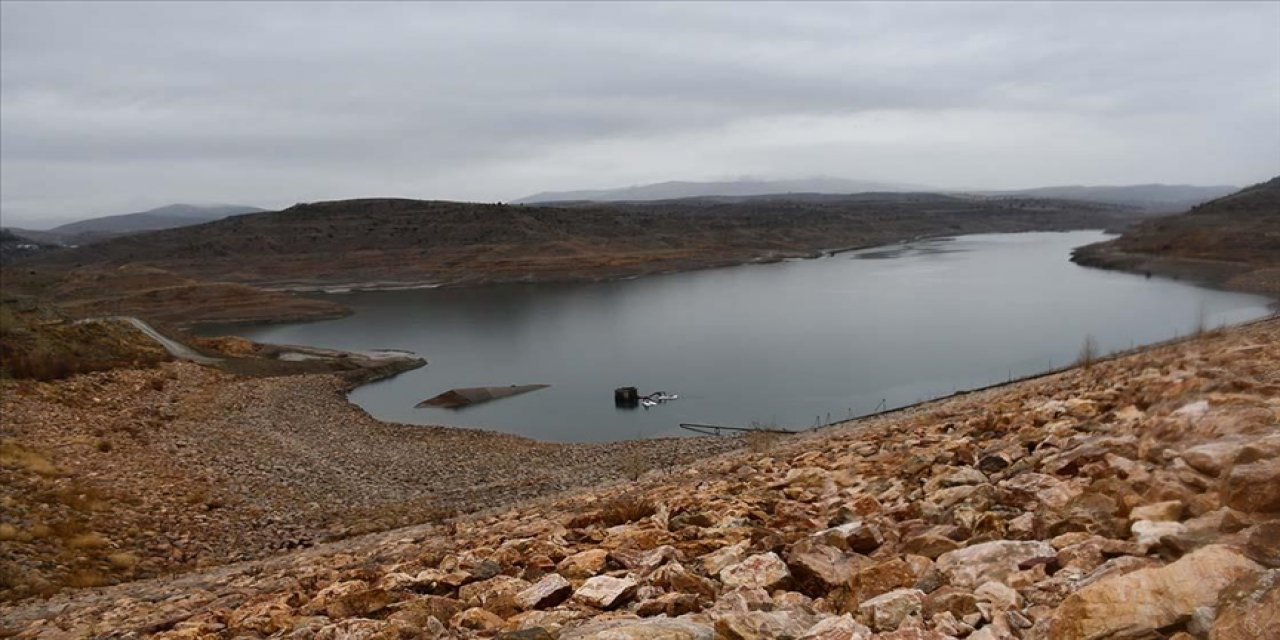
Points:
(789, 344)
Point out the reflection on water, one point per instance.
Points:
(789, 344)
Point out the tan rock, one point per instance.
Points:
(998, 595)
(651, 629)
(1145, 600)
(418, 610)
(881, 577)
(1148, 534)
(858, 536)
(886, 612)
(995, 560)
(477, 619)
(715, 562)
(764, 571)
(1249, 609)
(762, 625)
(818, 569)
(1263, 544)
(1212, 458)
(670, 605)
(582, 565)
(497, 594)
(548, 592)
(1254, 487)
(675, 577)
(1169, 510)
(837, 628)
(1046, 489)
(929, 545)
(348, 599)
(606, 592)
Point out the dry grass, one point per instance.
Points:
(1088, 352)
(16, 456)
(620, 510)
(633, 465)
(761, 439)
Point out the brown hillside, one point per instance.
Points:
(398, 241)
(1233, 240)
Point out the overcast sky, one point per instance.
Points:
(108, 108)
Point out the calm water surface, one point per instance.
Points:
(786, 344)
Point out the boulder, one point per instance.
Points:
(837, 628)
(651, 629)
(348, 599)
(654, 629)
(995, 560)
(715, 562)
(1148, 534)
(856, 536)
(548, 592)
(1249, 609)
(764, 571)
(583, 565)
(929, 545)
(1169, 510)
(1145, 600)
(477, 619)
(762, 625)
(605, 592)
(818, 569)
(1263, 544)
(1254, 487)
(886, 612)
(881, 577)
(670, 605)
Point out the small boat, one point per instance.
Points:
(663, 396)
(646, 403)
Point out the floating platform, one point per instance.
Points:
(467, 396)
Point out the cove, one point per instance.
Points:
(787, 344)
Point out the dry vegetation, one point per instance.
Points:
(39, 344)
(1232, 241)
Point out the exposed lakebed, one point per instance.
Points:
(786, 344)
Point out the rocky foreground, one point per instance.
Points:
(1134, 498)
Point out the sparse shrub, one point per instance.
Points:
(620, 510)
(761, 439)
(633, 465)
(123, 560)
(1088, 352)
(88, 540)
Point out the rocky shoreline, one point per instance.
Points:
(1135, 497)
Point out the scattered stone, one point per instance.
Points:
(995, 560)
(652, 629)
(1149, 599)
(548, 592)
(583, 565)
(765, 571)
(888, 611)
(605, 592)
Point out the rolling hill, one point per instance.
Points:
(166, 217)
(393, 241)
(1232, 241)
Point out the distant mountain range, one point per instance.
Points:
(680, 189)
(167, 217)
(1155, 197)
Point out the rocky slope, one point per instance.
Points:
(1232, 241)
(1135, 498)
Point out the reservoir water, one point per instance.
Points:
(786, 344)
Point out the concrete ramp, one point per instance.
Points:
(467, 396)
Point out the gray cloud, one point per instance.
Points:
(110, 107)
